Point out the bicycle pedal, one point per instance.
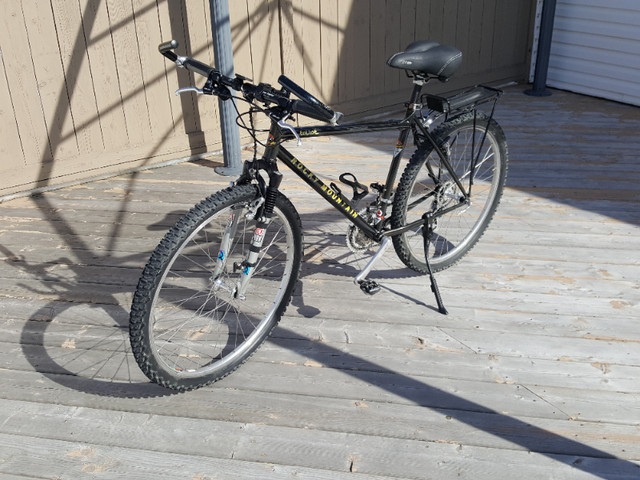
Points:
(369, 287)
(377, 187)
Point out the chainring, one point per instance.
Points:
(356, 240)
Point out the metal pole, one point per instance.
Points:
(544, 50)
(223, 58)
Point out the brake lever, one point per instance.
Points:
(286, 126)
(199, 91)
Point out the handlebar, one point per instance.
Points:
(187, 62)
(195, 66)
(218, 84)
(312, 107)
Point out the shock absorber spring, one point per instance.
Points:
(269, 202)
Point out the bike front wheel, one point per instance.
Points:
(189, 325)
(427, 186)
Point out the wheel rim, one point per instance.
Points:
(455, 232)
(196, 326)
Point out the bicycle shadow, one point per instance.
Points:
(79, 337)
(91, 354)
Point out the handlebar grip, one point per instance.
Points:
(166, 46)
(190, 64)
(303, 108)
(197, 67)
(166, 49)
(319, 109)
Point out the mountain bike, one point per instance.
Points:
(220, 280)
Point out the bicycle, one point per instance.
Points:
(219, 281)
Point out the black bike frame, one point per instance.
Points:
(410, 123)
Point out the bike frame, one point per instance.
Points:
(410, 123)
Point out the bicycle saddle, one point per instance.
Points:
(428, 58)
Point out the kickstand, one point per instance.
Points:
(427, 233)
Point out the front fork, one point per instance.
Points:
(248, 266)
(225, 245)
(262, 210)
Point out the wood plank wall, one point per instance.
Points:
(84, 92)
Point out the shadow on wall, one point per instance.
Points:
(104, 95)
(338, 50)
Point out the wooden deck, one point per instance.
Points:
(534, 374)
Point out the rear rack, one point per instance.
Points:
(461, 102)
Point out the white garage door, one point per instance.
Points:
(596, 49)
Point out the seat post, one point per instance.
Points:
(418, 83)
(412, 106)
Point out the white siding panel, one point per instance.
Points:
(623, 4)
(577, 39)
(607, 62)
(598, 27)
(581, 76)
(596, 49)
(601, 13)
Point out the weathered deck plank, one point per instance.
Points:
(533, 374)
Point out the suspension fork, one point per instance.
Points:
(225, 244)
(267, 163)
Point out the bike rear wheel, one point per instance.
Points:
(189, 326)
(426, 186)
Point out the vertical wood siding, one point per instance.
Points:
(84, 92)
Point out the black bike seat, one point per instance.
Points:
(421, 46)
(441, 61)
